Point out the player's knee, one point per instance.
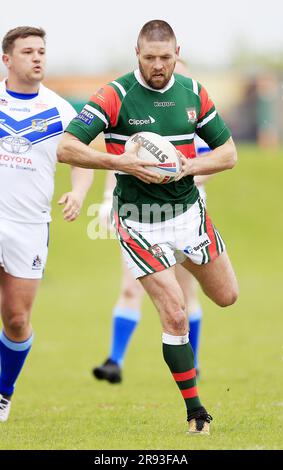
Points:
(228, 298)
(132, 292)
(177, 322)
(17, 324)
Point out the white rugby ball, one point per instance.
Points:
(155, 148)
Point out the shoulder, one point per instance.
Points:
(113, 92)
(123, 84)
(188, 83)
(53, 98)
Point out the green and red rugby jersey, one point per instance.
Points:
(178, 111)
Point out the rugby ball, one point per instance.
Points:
(155, 148)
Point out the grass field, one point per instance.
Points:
(58, 404)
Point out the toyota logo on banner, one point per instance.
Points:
(15, 144)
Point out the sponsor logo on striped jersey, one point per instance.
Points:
(141, 122)
(85, 116)
(15, 144)
(164, 104)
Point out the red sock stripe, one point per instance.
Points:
(212, 248)
(180, 377)
(190, 392)
(153, 262)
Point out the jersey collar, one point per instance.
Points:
(28, 96)
(141, 81)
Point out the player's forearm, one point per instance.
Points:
(81, 179)
(77, 154)
(220, 159)
(110, 183)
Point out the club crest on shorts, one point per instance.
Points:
(192, 115)
(156, 251)
(37, 262)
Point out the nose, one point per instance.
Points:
(36, 57)
(158, 65)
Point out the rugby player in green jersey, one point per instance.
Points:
(161, 225)
(126, 313)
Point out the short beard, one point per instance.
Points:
(152, 84)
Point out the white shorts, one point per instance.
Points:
(150, 248)
(23, 248)
(202, 192)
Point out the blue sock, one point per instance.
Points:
(194, 335)
(124, 323)
(12, 358)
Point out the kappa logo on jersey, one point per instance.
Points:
(164, 104)
(192, 115)
(37, 262)
(141, 122)
(86, 117)
(39, 125)
(15, 144)
(156, 251)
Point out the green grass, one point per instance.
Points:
(58, 405)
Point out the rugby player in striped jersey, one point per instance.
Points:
(32, 118)
(126, 313)
(161, 225)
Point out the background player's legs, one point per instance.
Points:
(126, 316)
(17, 296)
(217, 279)
(167, 296)
(190, 290)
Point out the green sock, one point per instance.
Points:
(179, 357)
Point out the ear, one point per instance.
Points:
(6, 59)
(137, 51)
(178, 50)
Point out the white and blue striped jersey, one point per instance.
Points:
(30, 127)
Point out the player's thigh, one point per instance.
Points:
(189, 286)
(217, 279)
(17, 296)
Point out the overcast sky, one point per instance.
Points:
(94, 36)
